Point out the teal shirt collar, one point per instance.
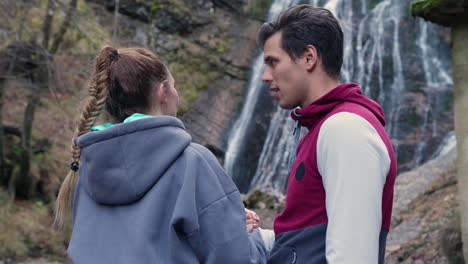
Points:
(131, 118)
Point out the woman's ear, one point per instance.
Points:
(162, 93)
(311, 57)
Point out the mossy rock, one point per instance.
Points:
(26, 231)
(178, 16)
(262, 200)
(443, 12)
(258, 8)
(192, 77)
(373, 4)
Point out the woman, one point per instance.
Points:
(146, 193)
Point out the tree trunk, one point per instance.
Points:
(2, 135)
(6, 68)
(116, 20)
(460, 78)
(40, 80)
(46, 28)
(64, 27)
(23, 183)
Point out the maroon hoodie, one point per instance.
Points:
(304, 220)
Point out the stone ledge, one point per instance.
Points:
(443, 12)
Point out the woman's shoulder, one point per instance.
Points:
(203, 160)
(201, 152)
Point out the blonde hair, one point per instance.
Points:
(121, 83)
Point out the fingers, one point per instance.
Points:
(251, 227)
(251, 220)
(251, 215)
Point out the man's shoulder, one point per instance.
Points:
(351, 107)
(345, 123)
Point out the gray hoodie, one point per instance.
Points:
(147, 194)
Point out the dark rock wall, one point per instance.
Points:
(207, 44)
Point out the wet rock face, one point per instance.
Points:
(174, 17)
(132, 8)
(230, 4)
(182, 17)
(405, 65)
(208, 46)
(181, 23)
(401, 62)
(446, 12)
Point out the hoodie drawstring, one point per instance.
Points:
(297, 137)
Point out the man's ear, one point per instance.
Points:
(162, 93)
(310, 56)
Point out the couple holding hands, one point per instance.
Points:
(139, 190)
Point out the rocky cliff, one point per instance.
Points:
(208, 46)
(446, 13)
(426, 215)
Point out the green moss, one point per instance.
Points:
(12, 244)
(373, 3)
(192, 75)
(448, 102)
(83, 7)
(27, 226)
(176, 7)
(155, 6)
(422, 7)
(220, 48)
(258, 8)
(413, 118)
(262, 200)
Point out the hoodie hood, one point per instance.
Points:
(348, 92)
(121, 163)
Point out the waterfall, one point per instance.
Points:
(390, 56)
(236, 139)
(449, 143)
(245, 118)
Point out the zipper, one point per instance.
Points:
(294, 257)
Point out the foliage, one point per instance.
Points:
(262, 200)
(443, 12)
(192, 76)
(423, 6)
(26, 229)
(75, 40)
(258, 8)
(373, 3)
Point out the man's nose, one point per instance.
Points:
(266, 76)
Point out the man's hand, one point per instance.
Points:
(251, 220)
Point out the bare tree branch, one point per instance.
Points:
(116, 19)
(72, 21)
(48, 23)
(63, 28)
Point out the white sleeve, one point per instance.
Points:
(268, 237)
(353, 162)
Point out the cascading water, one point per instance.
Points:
(236, 141)
(401, 62)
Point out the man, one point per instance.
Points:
(340, 188)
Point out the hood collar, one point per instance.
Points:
(347, 92)
(121, 163)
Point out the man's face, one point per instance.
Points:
(287, 78)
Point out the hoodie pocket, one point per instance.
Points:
(283, 255)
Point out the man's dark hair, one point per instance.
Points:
(302, 25)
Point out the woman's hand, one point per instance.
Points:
(251, 220)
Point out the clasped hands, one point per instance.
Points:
(251, 220)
